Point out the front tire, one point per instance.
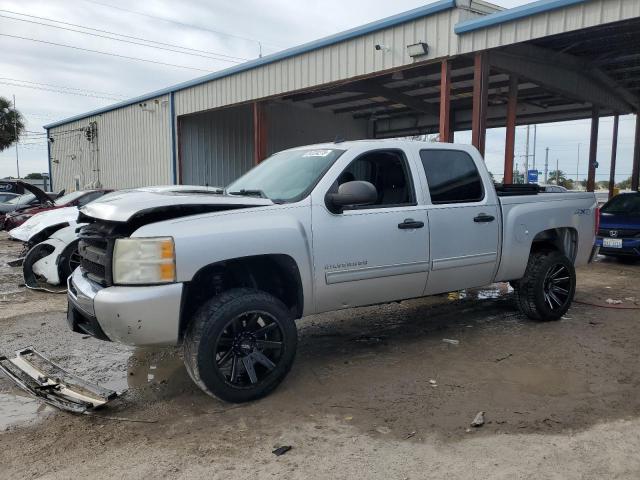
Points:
(240, 345)
(547, 289)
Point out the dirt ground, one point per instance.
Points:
(374, 393)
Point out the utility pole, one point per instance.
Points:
(535, 131)
(15, 132)
(526, 159)
(557, 171)
(546, 165)
(578, 165)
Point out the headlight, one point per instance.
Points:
(139, 261)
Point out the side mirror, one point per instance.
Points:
(353, 193)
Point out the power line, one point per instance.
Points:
(103, 53)
(176, 22)
(84, 90)
(34, 87)
(219, 56)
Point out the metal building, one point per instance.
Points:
(450, 65)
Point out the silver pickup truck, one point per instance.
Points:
(315, 229)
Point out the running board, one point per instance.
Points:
(47, 381)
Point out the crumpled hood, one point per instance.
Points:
(127, 205)
(43, 220)
(40, 194)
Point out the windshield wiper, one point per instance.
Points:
(249, 193)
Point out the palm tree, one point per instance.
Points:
(11, 124)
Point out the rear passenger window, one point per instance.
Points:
(452, 176)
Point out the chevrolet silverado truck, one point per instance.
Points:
(316, 229)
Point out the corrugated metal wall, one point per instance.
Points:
(216, 147)
(347, 59)
(582, 15)
(291, 126)
(133, 149)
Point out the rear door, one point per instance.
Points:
(463, 221)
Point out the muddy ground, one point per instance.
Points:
(374, 393)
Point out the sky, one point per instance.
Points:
(52, 82)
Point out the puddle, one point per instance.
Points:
(18, 408)
(162, 370)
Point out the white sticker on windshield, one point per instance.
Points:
(317, 153)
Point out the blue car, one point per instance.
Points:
(619, 232)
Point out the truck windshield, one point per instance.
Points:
(287, 176)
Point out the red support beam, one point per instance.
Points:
(593, 149)
(259, 133)
(446, 124)
(614, 154)
(635, 171)
(510, 141)
(480, 100)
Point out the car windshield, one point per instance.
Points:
(286, 176)
(69, 197)
(623, 204)
(26, 198)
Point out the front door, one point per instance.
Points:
(376, 253)
(464, 222)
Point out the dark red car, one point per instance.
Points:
(73, 199)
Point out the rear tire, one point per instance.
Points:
(240, 345)
(548, 286)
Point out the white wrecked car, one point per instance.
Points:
(53, 260)
(52, 240)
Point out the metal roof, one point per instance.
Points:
(419, 12)
(534, 8)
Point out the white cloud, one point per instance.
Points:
(278, 24)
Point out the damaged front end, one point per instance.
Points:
(45, 380)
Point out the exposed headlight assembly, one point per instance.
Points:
(144, 261)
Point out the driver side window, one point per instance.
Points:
(388, 171)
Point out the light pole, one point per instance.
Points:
(15, 132)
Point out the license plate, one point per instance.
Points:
(612, 242)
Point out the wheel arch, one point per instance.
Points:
(276, 274)
(562, 239)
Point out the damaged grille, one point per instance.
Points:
(96, 252)
(619, 233)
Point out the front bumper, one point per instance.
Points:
(144, 315)
(630, 247)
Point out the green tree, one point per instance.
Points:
(34, 176)
(602, 185)
(559, 178)
(625, 184)
(11, 124)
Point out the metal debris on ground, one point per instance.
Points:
(282, 450)
(504, 357)
(409, 435)
(433, 382)
(451, 341)
(46, 381)
(478, 421)
(611, 301)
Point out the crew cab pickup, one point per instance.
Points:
(315, 229)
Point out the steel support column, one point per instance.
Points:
(446, 124)
(635, 171)
(614, 153)
(259, 133)
(593, 149)
(510, 140)
(480, 100)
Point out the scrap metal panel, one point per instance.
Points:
(132, 148)
(347, 59)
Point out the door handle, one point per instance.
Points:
(484, 218)
(409, 224)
